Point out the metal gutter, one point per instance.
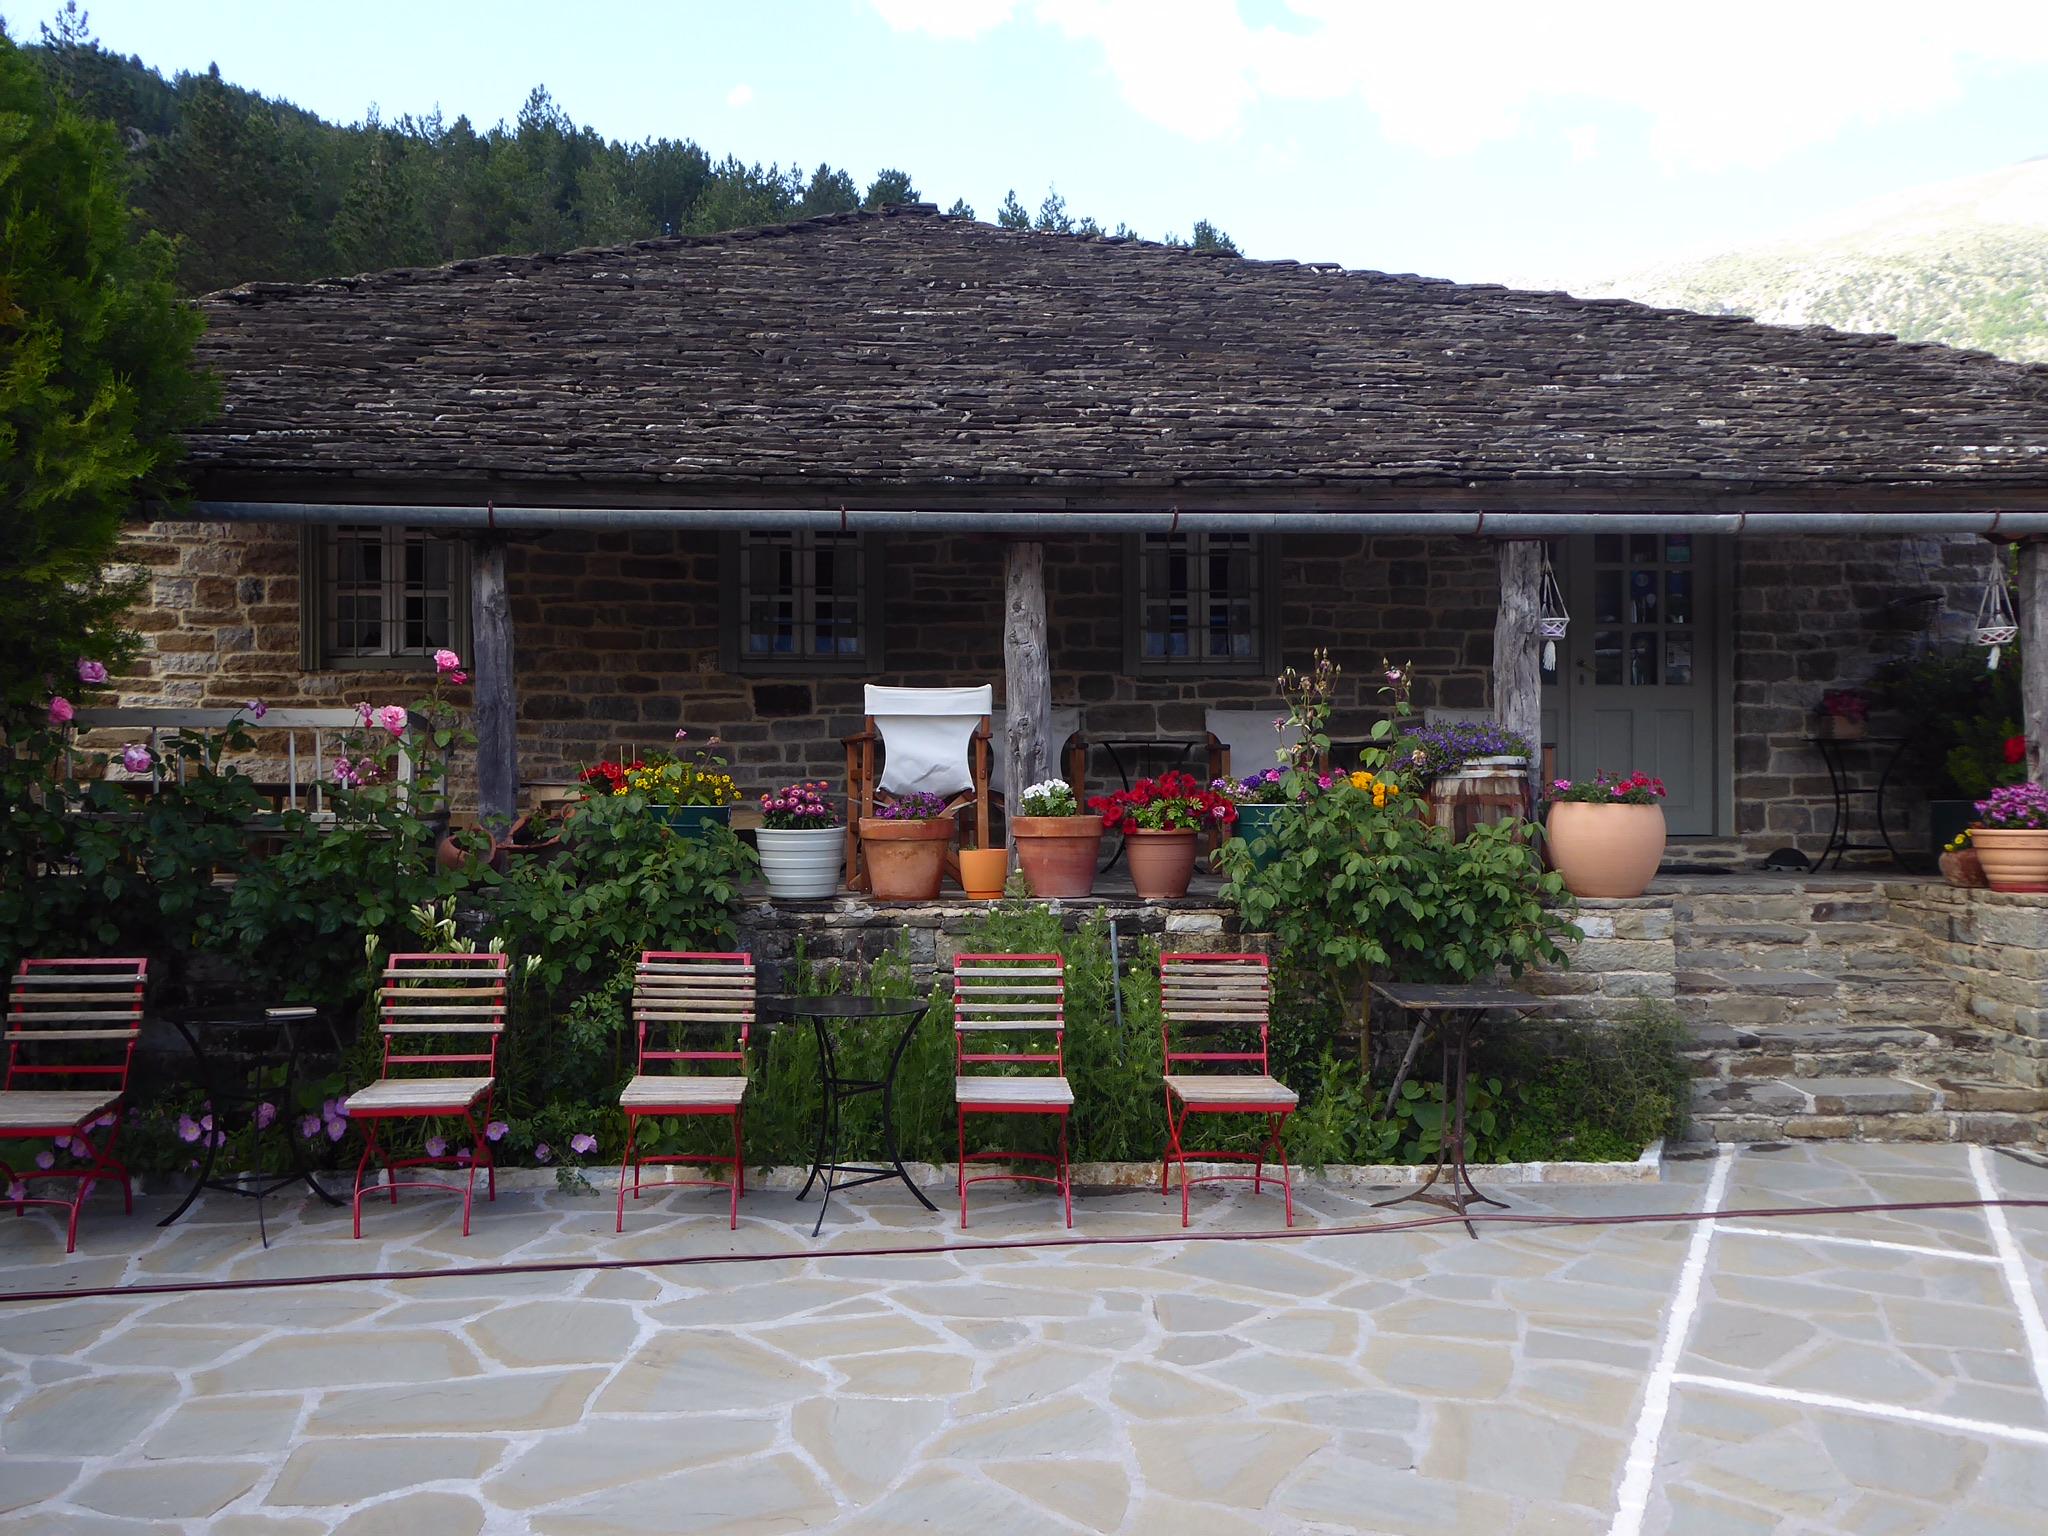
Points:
(1526, 525)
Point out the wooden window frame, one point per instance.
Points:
(737, 660)
(316, 594)
(1265, 550)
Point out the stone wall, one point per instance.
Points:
(618, 643)
(1626, 955)
(1993, 946)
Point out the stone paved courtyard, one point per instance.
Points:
(1857, 1374)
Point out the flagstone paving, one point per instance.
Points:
(1414, 1381)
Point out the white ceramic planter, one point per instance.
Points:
(801, 863)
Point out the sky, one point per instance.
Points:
(1532, 143)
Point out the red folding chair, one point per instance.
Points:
(1220, 998)
(64, 1019)
(440, 1003)
(1020, 1001)
(680, 993)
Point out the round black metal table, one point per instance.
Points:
(823, 1015)
(1833, 752)
(267, 1044)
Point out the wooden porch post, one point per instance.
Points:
(497, 699)
(1517, 671)
(1027, 669)
(2032, 606)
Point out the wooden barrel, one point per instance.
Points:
(1484, 790)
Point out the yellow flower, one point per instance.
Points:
(1362, 780)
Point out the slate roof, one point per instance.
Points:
(907, 359)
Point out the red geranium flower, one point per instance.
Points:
(2015, 749)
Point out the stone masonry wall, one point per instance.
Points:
(617, 641)
(1993, 945)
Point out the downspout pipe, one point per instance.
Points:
(1508, 525)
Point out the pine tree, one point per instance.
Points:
(96, 382)
(1012, 215)
(890, 188)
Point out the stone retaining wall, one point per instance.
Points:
(1993, 945)
(1627, 954)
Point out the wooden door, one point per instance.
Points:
(1635, 687)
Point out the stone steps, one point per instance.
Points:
(1865, 1108)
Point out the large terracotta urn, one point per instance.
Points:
(1161, 863)
(1609, 851)
(2014, 858)
(906, 859)
(1058, 854)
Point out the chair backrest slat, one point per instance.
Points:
(48, 1002)
(1209, 995)
(1009, 996)
(412, 1006)
(682, 992)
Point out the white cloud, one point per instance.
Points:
(1741, 82)
(739, 96)
(1583, 140)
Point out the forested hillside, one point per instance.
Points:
(257, 189)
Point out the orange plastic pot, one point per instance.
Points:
(1161, 863)
(906, 859)
(1609, 851)
(983, 871)
(1058, 854)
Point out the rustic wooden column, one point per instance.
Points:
(497, 697)
(1517, 648)
(2031, 608)
(1027, 669)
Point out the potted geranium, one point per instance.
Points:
(801, 841)
(1057, 843)
(905, 844)
(1160, 820)
(1606, 833)
(2011, 837)
(1844, 714)
(685, 794)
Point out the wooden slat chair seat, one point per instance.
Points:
(1205, 1001)
(70, 1022)
(434, 1011)
(678, 996)
(1009, 1012)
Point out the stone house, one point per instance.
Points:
(721, 482)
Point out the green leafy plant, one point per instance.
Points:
(1962, 719)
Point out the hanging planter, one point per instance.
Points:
(1553, 618)
(1997, 625)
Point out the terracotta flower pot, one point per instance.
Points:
(1963, 868)
(2014, 858)
(983, 871)
(1606, 850)
(905, 859)
(1840, 728)
(1161, 863)
(1058, 854)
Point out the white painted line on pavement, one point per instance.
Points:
(1857, 1405)
(1796, 1235)
(1633, 1497)
(2024, 1301)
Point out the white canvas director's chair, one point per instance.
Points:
(934, 740)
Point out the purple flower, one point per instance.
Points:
(336, 1129)
(104, 1121)
(309, 1126)
(265, 1113)
(62, 1143)
(462, 1154)
(91, 672)
(583, 1143)
(496, 1130)
(365, 713)
(436, 1147)
(188, 1128)
(541, 1152)
(17, 1191)
(257, 709)
(135, 758)
(44, 1159)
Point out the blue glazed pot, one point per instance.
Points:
(691, 820)
(1261, 821)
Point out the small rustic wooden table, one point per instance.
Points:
(1458, 1008)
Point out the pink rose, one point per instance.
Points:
(136, 759)
(446, 661)
(392, 718)
(458, 678)
(91, 672)
(364, 713)
(60, 710)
